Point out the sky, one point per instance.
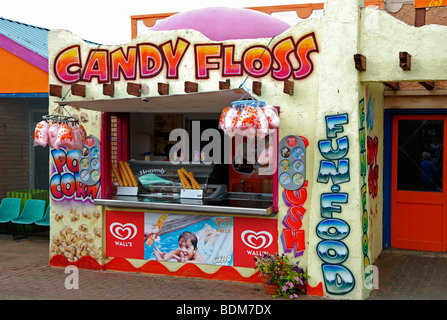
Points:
(108, 21)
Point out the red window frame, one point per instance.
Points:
(123, 147)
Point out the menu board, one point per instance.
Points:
(89, 161)
(291, 162)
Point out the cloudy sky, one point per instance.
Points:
(108, 21)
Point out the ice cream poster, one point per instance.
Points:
(188, 238)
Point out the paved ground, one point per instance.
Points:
(25, 275)
(411, 275)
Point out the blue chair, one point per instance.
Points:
(9, 209)
(45, 221)
(32, 211)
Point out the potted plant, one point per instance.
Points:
(280, 276)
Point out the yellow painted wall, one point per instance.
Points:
(381, 48)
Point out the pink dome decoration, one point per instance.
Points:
(220, 24)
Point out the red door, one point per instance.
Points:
(418, 196)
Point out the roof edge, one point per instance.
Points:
(24, 53)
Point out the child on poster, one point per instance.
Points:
(186, 251)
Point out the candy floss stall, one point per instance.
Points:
(216, 137)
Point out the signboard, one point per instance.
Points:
(147, 60)
(188, 238)
(291, 162)
(66, 182)
(254, 237)
(125, 234)
(212, 240)
(429, 3)
(89, 162)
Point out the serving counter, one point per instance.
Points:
(160, 186)
(231, 203)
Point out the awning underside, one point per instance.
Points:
(203, 102)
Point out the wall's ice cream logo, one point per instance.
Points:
(223, 222)
(224, 225)
(123, 232)
(257, 240)
(252, 237)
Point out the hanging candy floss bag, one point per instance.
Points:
(60, 131)
(247, 121)
(65, 137)
(52, 135)
(41, 134)
(272, 116)
(79, 136)
(231, 118)
(249, 118)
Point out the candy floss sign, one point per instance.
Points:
(147, 60)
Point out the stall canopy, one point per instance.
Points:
(203, 102)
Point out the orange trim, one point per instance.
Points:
(20, 76)
(429, 3)
(86, 262)
(187, 270)
(315, 291)
(155, 267)
(302, 10)
(374, 3)
(148, 20)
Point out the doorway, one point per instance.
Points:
(418, 192)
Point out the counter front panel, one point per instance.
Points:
(202, 239)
